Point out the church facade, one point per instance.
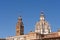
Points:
(42, 31)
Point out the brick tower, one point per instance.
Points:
(19, 27)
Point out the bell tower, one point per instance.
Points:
(19, 27)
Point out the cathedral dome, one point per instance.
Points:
(42, 26)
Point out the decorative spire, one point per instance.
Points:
(42, 16)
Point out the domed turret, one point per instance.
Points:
(42, 26)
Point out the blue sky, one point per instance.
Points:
(30, 12)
